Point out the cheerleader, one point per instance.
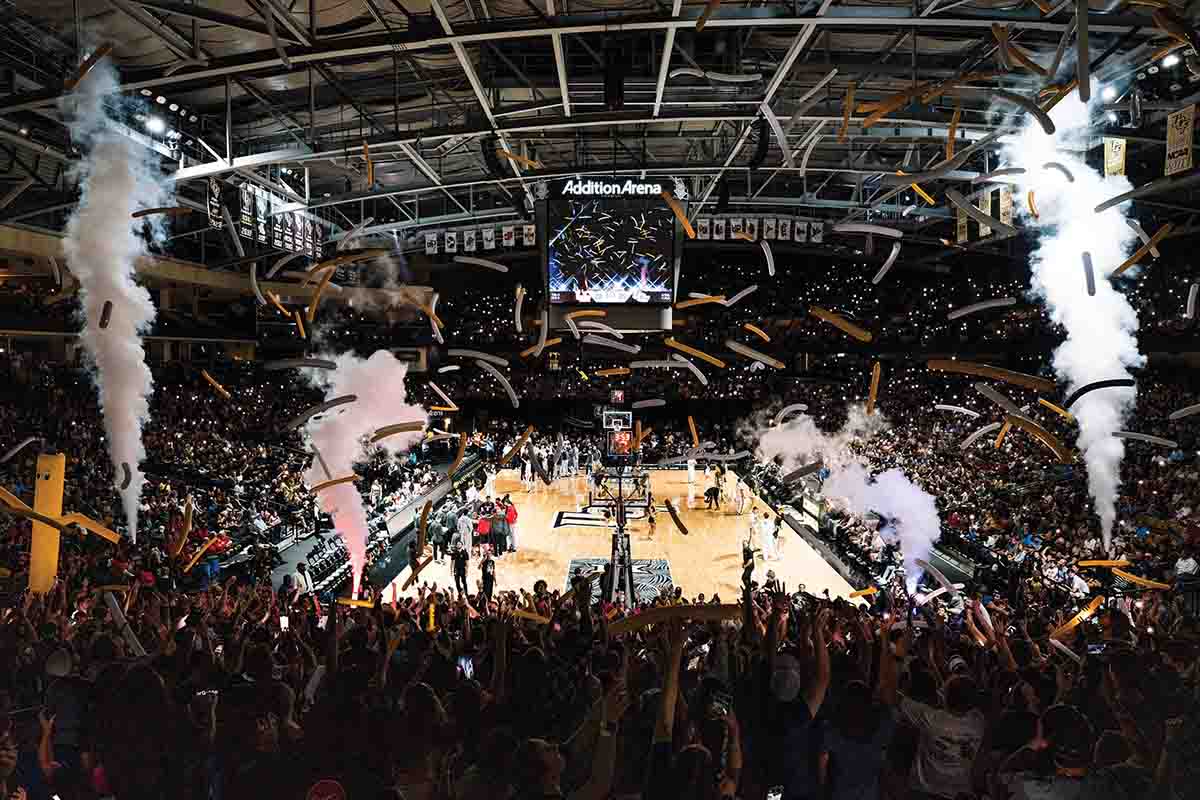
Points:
(651, 522)
(740, 497)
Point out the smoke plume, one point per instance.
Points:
(911, 516)
(1101, 330)
(115, 178)
(378, 382)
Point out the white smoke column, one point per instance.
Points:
(1101, 331)
(911, 512)
(378, 382)
(799, 441)
(912, 515)
(102, 247)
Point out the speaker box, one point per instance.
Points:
(614, 78)
(760, 150)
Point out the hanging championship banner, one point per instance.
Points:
(530, 235)
(1114, 156)
(785, 230)
(736, 225)
(451, 241)
(816, 232)
(289, 227)
(768, 230)
(800, 230)
(469, 240)
(509, 235)
(430, 244)
(262, 228)
(214, 204)
(1179, 140)
(489, 238)
(703, 228)
(960, 227)
(985, 205)
(245, 216)
(752, 228)
(718, 229)
(277, 231)
(1006, 205)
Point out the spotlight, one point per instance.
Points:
(24, 131)
(156, 125)
(1109, 93)
(160, 100)
(1170, 60)
(146, 92)
(174, 106)
(1112, 116)
(192, 118)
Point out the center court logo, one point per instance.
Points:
(590, 187)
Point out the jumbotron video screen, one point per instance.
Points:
(609, 241)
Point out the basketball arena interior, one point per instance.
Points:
(499, 368)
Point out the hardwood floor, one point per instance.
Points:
(707, 560)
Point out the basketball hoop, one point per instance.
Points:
(618, 420)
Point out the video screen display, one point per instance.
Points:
(609, 241)
(620, 443)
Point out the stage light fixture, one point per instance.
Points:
(1109, 93)
(155, 125)
(1170, 60)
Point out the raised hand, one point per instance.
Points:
(616, 701)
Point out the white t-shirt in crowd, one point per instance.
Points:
(947, 747)
(302, 581)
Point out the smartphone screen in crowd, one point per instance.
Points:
(467, 666)
(283, 622)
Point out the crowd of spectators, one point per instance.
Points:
(246, 688)
(448, 694)
(243, 478)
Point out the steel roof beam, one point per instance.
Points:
(895, 129)
(468, 68)
(571, 171)
(560, 64)
(429, 172)
(294, 28)
(785, 67)
(377, 45)
(202, 14)
(665, 65)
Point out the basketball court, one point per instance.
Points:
(557, 530)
